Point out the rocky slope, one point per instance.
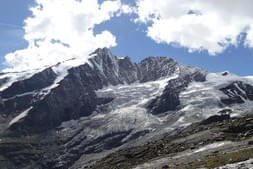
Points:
(200, 145)
(69, 115)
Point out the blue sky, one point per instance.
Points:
(12, 15)
(131, 38)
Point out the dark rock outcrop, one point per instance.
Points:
(215, 118)
(169, 100)
(153, 68)
(36, 82)
(237, 92)
(128, 71)
(3, 81)
(20, 95)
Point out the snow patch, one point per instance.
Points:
(204, 148)
(17, 76)
(60, 69)
(249, 79)
(19, 95)
(201, 100)
(211, 146)
(20, 116)
(248, 164)
(156, 163)
(127, 111)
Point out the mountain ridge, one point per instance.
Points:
(106, 69)
(83, 111)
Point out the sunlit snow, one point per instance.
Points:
(20, 116)
(248, 164)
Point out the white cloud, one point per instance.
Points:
(63, 29)
(210, 25)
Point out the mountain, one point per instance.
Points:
(74, 113)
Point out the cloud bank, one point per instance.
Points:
(63, 29)
(210, 25)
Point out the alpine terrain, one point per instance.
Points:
(110, 113)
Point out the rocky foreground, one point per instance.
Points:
(208, 144)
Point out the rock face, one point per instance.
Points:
(153, 68)
(75, 96)
(18, 96)
(237, 92)
(3, 81)
(36, 82)
(215, 118)
(169, 100)
(86, 112)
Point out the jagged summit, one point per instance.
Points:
(82, 110)
(102, 51)
(151, 68)
(42, 89)
(156, 59)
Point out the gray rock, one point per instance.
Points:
(61, 130)
(237, 92)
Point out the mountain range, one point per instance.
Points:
(109, 112)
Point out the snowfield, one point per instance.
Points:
(241, 165)
(126, 112)
(202, 99)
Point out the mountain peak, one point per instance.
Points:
(106, 102)
(102, 51)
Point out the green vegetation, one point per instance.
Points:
(221, 159)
